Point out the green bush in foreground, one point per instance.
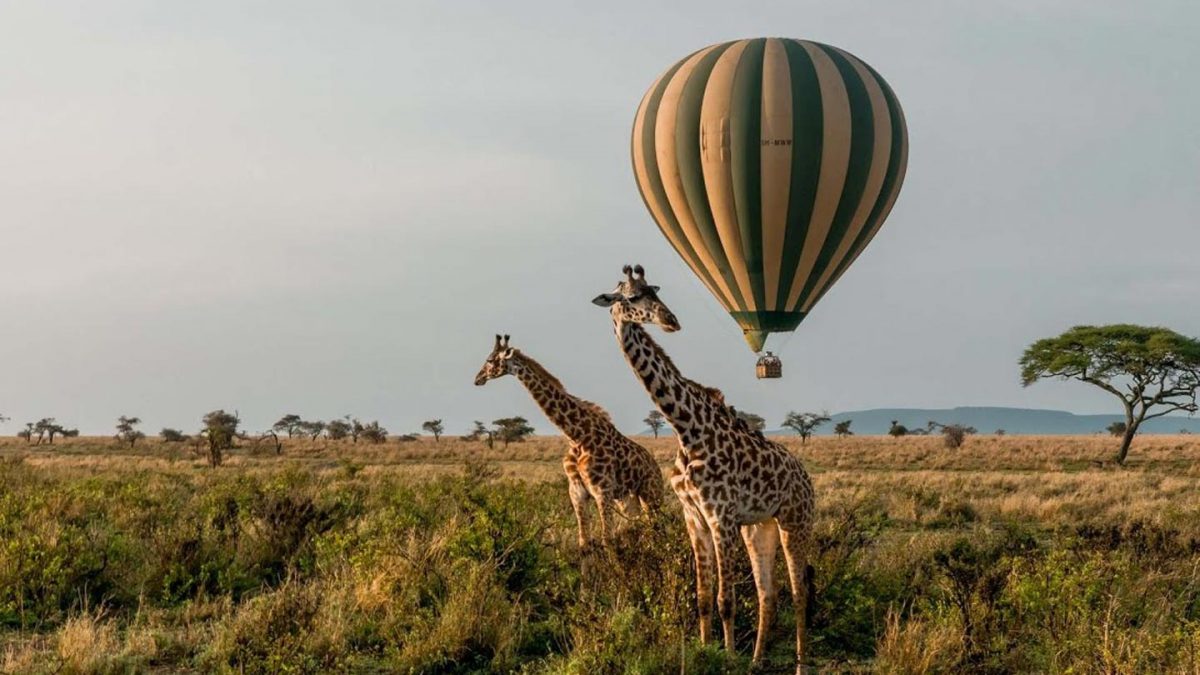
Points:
(345, 571)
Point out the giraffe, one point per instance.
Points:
(601, 462)
(727, 476)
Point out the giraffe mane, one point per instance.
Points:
(546, 375)
(714, 393)
(594, 408)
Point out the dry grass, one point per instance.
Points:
(1120, 540)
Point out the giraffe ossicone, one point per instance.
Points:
(601, 463)
(730, 479)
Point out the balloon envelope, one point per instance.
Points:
(769, 164)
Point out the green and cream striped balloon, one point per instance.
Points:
(769, 164)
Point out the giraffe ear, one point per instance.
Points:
(605, 299)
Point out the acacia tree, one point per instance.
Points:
(510, 429)
(311, 429)
(954, 435)
(372, 432)
(290, 423)
(1116, 429)
(434, 427)
(220, 430)
(805, 423)
(336, 430)
(842, 429)
(656, 421)
(48, 428)
(480, 432)
(755, 422)
(897, 430)
(127, 431)
(1147, 368)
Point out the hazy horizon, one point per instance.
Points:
(324, 210)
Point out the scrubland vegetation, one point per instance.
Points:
(1007, 554)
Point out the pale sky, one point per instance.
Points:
(330, 208)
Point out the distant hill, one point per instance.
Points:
(989, 419)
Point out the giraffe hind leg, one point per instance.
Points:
(762, 540)
(724, 536)
(604, 508)
(795, 550)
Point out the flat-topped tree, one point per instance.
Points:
(1154, 371)
(127, 431)
(313, 429)
(48, 428)
(219, 431)
(806, 423)
(656, 421)
(434, 427)
(512, 429)
(755, 422)
(290, 423)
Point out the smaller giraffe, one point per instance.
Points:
(601, 462)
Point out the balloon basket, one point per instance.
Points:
(769, 367)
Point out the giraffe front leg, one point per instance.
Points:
(724, 534)
(761, 543)
(702, 553)
(579, 497)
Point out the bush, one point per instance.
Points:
(173, 436)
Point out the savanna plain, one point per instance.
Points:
(1008, 554)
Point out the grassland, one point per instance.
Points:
(1010, 554)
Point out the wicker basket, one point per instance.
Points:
(769, 367)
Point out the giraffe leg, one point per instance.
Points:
(762, 540)
(702, 552)
(795, 550)
(725, 537)
(631, 507)
(579, 496)
(604, 507)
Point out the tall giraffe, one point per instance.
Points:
(727, 476)
(600, 461)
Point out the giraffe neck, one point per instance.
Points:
(684, 403)
(565, 411)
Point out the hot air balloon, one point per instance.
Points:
(769, 164)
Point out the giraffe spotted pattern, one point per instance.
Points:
(601, 463)
(730, 479)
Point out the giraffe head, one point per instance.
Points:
(498, 363)
(635, 301)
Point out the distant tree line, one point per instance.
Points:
(506, 430)
(45, 429)
(220, 431)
